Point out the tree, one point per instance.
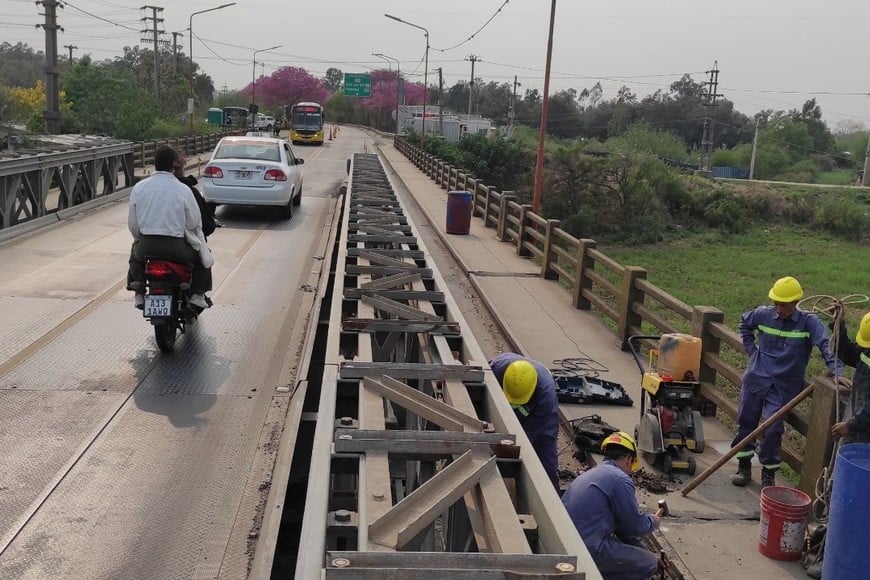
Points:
(20, 65)
(287, 86)
(811, 115)
(108, 102)
(333, 79)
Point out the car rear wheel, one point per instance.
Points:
(287, 210)
(297, 201)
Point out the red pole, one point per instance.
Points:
(542, 137)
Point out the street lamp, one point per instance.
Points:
(398, 80)
(425, 73)
(192, 71)
(254, 73)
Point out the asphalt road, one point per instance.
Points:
(118, 461)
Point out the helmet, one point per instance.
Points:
(863, 336)
(622, 439)
(786, 290)
(520, 380)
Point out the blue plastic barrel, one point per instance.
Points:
(847, 543)
(459, 206)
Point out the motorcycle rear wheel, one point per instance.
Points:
(164, 334)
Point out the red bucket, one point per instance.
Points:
(783, 522)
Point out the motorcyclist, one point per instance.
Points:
(165, 222)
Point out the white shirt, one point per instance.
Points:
(161, 205)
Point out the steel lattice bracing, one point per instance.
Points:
(76, 177)
(418, 461)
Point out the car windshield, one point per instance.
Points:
(261, 151)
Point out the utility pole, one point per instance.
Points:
(512, 112)
(175, 36)
(865, 178)
(440, 103)
(473, 59)
(754, 149)
(70, 47)
(707, 138)
(155, 34)
(52, 89)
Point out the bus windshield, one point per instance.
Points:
(306, 120)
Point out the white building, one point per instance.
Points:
(451, 126)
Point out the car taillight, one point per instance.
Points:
(213, 172)
(275, 175)
(157, 269)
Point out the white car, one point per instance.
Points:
(253, 171)
(264, 122)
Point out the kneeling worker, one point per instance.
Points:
(603, 507)
(531, 390)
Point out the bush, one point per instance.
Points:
(842, 216)
(641, 138)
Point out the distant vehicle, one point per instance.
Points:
(253, 171)
(305, 123)
(236, 116)
(264, 122)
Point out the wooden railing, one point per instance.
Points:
(634, 306)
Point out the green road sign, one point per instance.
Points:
(357, 84)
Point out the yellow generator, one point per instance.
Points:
(669, 396)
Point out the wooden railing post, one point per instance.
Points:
(819, 442)
(487, 198)
(702, 318)
(525, 209)
(629, 320)
(501, 230)
(546, 272)
(581, 281)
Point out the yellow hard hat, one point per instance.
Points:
(863, 336)
(786, 290)
(622, 439)
(520, 380)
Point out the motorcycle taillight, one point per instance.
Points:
(158, 269)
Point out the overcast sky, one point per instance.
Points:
(771, 53)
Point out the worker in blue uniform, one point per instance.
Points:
(603, 507)
(779, 340)
(856, 427)
(531, 390)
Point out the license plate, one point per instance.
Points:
(156, 305)
(244, 174)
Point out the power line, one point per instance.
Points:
(74, 7)
(485, 24)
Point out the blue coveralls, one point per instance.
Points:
(855, 356)
(603, 507)
(778, 358)
(540, 415)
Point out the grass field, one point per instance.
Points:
(734, 272)
(837, 177)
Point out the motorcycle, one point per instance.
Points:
(167, 300)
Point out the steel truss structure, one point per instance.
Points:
(418, 463)
(78, 176)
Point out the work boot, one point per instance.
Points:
(767, 477)
(744, 472)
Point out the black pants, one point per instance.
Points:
(172, 249)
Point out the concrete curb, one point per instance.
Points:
(488, 304)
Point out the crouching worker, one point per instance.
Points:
(165, 222)
(531, 391)
(603, 507)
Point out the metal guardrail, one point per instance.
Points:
(33, 185)
(635, 306)
(418, 464)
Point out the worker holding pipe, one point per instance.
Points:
(856, 428)
(778, 340)
(604, 509)
(531, 391)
